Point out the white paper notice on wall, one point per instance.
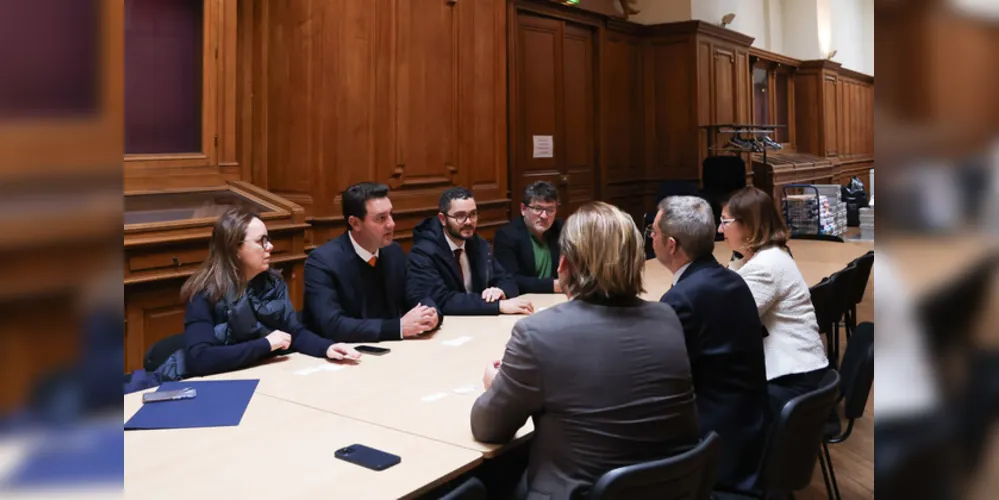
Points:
(544, 146)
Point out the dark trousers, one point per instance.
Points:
(783, 389)
(501, 474)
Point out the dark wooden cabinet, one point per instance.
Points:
(835, 117)
(700, 76)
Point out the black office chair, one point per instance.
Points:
(471, 489)
(687, 476)
(797, 437)
(858, 376)
(795, 442)
(862, 274)
(162, 350)
(830, 300)
(949, 313)
(824, 302)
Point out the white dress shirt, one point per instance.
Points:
(466, 269)
(366, 257)
(679, 272)
(785, 304)
(361, 252)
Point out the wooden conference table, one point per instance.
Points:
(414, 402)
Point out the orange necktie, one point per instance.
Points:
(372, 261)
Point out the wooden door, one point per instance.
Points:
(554, 98)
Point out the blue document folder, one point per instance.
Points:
(220, 403)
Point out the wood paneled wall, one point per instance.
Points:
(411, 94)
(631, 183)
(835, 117)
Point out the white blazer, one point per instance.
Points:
(794, 344)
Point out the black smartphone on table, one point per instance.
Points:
(160, 396)
(370, 349)
(367, 457)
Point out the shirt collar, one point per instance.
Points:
(361, 252)
(454, 247)
(679, 272)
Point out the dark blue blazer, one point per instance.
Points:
(434, 272)
(725, 343)
(334, 303)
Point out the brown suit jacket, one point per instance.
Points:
(608, 384)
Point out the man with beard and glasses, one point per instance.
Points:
(355, 284)
(454, 267)
(527, 247)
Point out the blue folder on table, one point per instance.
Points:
(220, 403)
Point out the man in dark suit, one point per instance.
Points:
(724, 338)
(454, 267)
(355, 284)
(528, 246)
(605, 376)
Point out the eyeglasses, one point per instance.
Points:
(726, 222)
(462, 217)
(263, 241)
(650, 234)
(536, 210)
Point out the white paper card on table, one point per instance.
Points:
(430, 398)
(544, 146)
(457, 342)
(320, 368)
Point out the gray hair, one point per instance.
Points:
(690, 221)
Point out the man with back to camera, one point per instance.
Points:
(724, 338)
(355, 284)
(527, 247)
(454, 267)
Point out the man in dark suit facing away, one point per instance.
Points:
(355, 284)
(528, 246)
(454, 266)
(724, 338)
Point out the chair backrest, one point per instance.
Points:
(842, 284)
(797, 435)
(824, 302)
(858, 370)
(471, 489)
(862, 275)
(689, 475)
(949, 313)
(162, 350)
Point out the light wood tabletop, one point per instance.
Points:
(414, 401)
(425, 387)
(282, 450)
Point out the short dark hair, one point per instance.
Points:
(354, 199)
(451, 194)
(540, 191)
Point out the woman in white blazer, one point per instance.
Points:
(795, 358)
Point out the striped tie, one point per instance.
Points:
(372, 261)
